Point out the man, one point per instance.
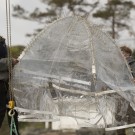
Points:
(4, 77)
(127, 52)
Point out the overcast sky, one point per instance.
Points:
(20, 27)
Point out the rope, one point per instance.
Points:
(11, 104)
(13, 128)
(8, 21)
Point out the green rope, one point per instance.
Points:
(13, 128)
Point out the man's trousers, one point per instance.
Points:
(4, 98)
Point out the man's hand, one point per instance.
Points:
(14, 61)
(133, 80)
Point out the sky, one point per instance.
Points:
(20, 27)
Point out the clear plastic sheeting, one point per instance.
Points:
(74, 69)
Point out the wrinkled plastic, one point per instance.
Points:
(73, 68)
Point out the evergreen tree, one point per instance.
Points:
(118, 13)
(55, 9)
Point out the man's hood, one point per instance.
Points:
(3, 48)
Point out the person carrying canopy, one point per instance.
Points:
(4, 80)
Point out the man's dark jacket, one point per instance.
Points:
(3, 60)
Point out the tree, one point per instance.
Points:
(54, 9)
(118, 13)
(16, 51)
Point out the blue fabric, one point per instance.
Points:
(3, 49)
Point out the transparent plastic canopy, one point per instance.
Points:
(74, 69)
